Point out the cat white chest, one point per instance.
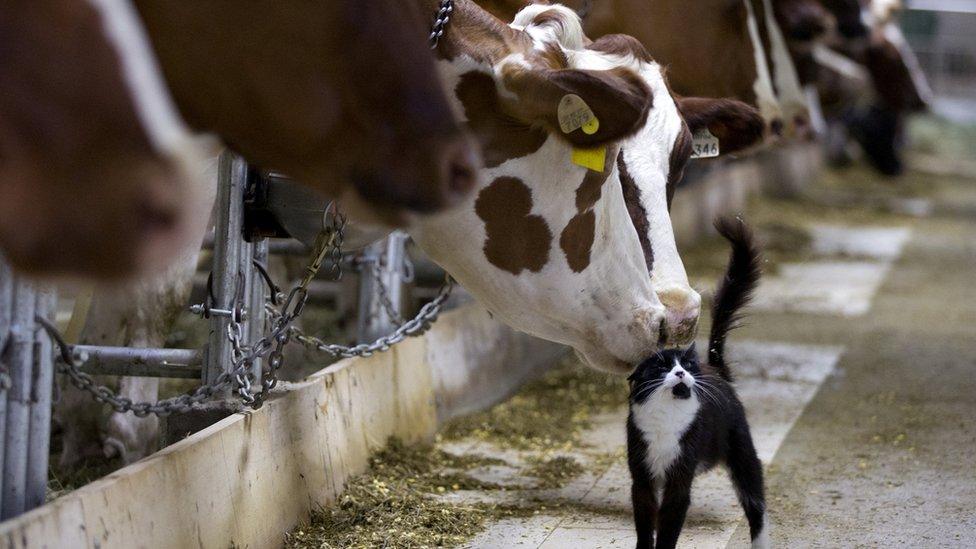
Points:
(662, 420)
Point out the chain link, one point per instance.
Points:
(68, 364)
(241, 375)
(327, 244)
(413, 327)
(441, 19)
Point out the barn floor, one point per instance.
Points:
(856, 365)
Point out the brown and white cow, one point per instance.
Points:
(96, 165)
(575, 255)
(869, 85)
(715, 48)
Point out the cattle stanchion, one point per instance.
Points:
(226, 286)
(246, 337)
(381, 287)
(26, 382)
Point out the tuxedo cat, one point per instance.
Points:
(686, 418)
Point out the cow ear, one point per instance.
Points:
(618, 98)
(737, 125)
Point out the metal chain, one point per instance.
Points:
(441, 19)
(327, 244)
(413, 327)
(241, 376)
(68, 364)
(374, 265)
(243, 356)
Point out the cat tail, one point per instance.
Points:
(735, 289)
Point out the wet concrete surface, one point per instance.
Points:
(885, 454)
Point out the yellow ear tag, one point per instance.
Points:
(593, 159)
(591, 126)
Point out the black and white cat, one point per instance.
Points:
(686, 418)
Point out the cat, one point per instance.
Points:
(685, 416)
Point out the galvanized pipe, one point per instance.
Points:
(232, 176)
(42, 386)
(20, 353)
(6, 304)
(254, 298)
(127, 361)
(374, 321)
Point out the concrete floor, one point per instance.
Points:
(858, 370)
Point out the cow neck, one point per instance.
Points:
(475, 33)
(153, 102)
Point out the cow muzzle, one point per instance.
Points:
(682, 308)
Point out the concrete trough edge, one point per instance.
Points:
(250, 478)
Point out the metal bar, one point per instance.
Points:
(232, 175)
(126, 361)
(373, 320)
(42, 386)
(6, 303)
(254, 298)
(20, 353)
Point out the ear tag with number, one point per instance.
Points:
(704, 144)
(573, 113)
(593, 159)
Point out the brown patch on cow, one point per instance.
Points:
(618, 97)
(891, 76)
(577, 238)
(516, 240)
(638, 216)
(623, 45)
(680, 154)
(502, 137)
(551, 56)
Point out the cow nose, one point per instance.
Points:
(682, 307)
(460, 163)
(679, 374)
(776, 126)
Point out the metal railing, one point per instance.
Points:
(250, 321)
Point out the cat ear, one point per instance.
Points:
(690, 351)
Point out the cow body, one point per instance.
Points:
(579, 256)
(92, 149)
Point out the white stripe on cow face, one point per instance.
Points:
(160, 119)
(763, 86)
(608, 311)
(791, 97)
(647, 156)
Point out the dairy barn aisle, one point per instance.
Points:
(855, 364)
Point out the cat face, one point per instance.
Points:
(672, 370)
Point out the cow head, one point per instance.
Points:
(711, 48)
(93, 163)
(341, 98)
(94, 178)
(555, 249)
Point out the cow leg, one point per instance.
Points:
(139, 316)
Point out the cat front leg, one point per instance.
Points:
(673, 509)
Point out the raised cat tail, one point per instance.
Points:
(735, 289)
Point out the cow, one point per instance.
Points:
(805, 23)
(584, 257)
(873, 114)
(728, 48)
(101, 102)
(581, 256)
